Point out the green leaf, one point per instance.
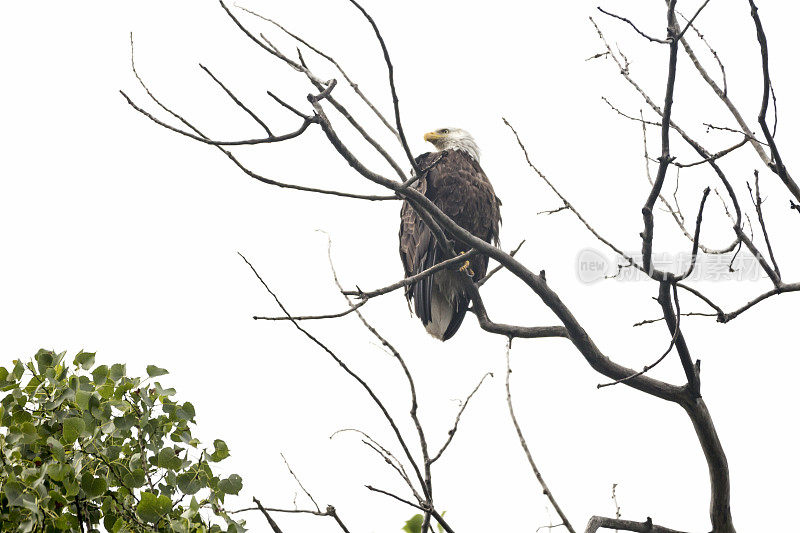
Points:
(116, 372)
(220, 451)
(160, 391)
(414, 525)
(63, 396)
(67, 522)
(44, 360)
(185, 412)
(57, 471)
(19, 369)
(100, 374)
(84, 360)
(93, 486)
(134, 479)
(73, 428)
(106, 390)
(152, 508)
(14, 490)
(82, 399)
(231, 485)
(29, 433)
(167, 459)
(19, 416)
(153, 371)
(190, 482)
(56, 448)
(125, 422)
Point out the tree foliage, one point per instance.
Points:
(84, 444)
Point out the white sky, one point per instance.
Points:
(121, 237)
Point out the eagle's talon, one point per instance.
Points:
(465, 267)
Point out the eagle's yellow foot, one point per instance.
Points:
(465, 267)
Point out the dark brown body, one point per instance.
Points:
(456, 183)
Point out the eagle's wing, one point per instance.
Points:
(460, 188)
(418, 246)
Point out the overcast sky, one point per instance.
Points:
(121, 237)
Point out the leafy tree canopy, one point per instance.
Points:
(84, 444)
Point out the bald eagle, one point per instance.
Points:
(452, 178)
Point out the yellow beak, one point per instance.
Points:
(431, 136)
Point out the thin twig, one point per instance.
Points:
(385, 454)
(310, 497)
(313, 317)
(498, 268)
(347, 369)
(319, 52)
(632, 25)
(689, 24)
(412, 279)
(237, 101)
(452, 432)
(525, 448)
(427, 487)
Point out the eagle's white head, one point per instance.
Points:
(454, 139)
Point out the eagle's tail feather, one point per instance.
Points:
(460, 306)
(423, 289)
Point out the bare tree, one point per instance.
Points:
(669, 285)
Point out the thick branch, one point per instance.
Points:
(776, 164)
(602, 522)
(665, 158)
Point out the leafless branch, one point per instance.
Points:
(713, 53)
(776, 162)
(654, 320)
(649, 367)
(758, 203)
(236, 161)
(313, 317)
(563, 199)
(601, 522)
(310, 497)
(498, 268)
(395, 99)
(412, 279)
(525, 448)
(427, 487)
(347, 369)
(433, 512)
(238, 102)
(452, 432)
(322, 54)
(632, 25)
(263, 140)
(271, 522)
(714, 157)
(386, 455)
(689, 24)
(665, 158)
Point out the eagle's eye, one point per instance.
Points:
(445, 131)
